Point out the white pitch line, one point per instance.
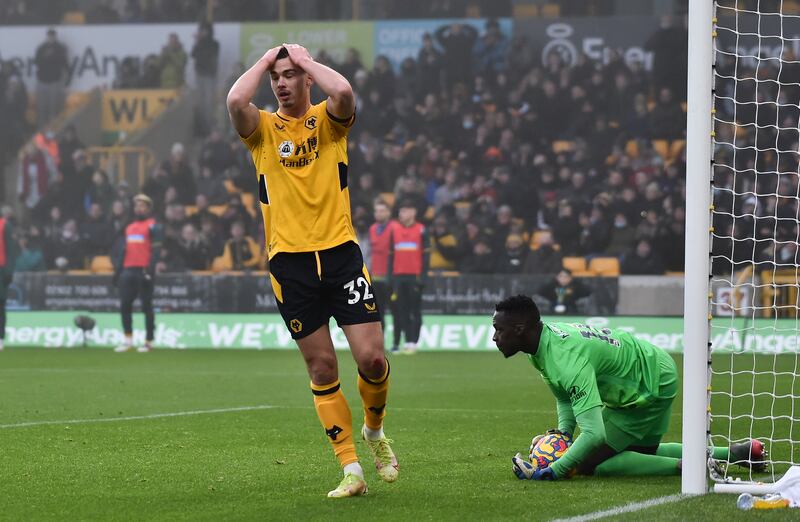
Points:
(137, 417)
(240, 408)
(627, 508)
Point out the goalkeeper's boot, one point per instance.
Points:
(124, 348)
(147, 347)
(749, 454)
(385, 459)
(351, 486)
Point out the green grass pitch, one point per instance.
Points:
(457, 418)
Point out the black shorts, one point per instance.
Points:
(312, 287)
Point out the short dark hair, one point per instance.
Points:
(520, 305)
(283, 53)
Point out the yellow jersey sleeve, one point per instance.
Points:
(340, 127)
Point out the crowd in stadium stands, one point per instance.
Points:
(515, 166)
(138, 11)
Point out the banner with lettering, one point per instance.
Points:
(134, 109)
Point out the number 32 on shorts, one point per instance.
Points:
(356, 294)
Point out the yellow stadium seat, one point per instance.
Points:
(217, 210)
(218, 265)
(190, 210)
(101, 265)
(604, 266)
(73, 18)
(676, 149)
(525, 11)
(388, 198)
(574, 264)
(662, 148)
(632, 148)
(230, 187)
(563, 146)
(551, 10)
(249, 202)
(536, 239)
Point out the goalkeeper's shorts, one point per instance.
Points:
(647, 424)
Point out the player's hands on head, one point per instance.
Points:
(271, 55)
(298, 54)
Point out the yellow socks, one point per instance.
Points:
(373, 395)
(334, 414)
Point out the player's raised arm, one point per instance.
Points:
(243, 114)
(341, 101)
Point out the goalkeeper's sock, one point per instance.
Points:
(334, 414)
(373, 396)
(630, 463)
(670, 449)
(675, 450)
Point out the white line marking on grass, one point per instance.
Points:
(138, 417)
(627, 508)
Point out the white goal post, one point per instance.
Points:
(696, 314)
(742, 282)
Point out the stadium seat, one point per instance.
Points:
(218, 265)
(525, 10)
(551, 10)
(536, 239)
(604, 266)
(563, 146)
(388, 198)
(217, 210)
(575, 264)
(230, 187)
(632, 148)
(73, 18)
(662, 148)
(190, 210)
(676, 149)
(101, 265)
(249, 202)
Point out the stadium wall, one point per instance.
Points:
(95, 51)
(439, 332)
(252, 293)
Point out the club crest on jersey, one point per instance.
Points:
(285, 149)
(311, 123)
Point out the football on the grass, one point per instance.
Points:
(548, 449)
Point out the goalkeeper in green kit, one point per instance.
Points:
(616, 388)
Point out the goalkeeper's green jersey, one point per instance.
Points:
(590, 367)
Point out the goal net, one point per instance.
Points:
(754, 308)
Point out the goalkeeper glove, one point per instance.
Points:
(523, 469)
(544, 474)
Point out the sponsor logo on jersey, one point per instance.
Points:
(305, 153)
(575, 393)
(406, 245)
(135, 238)
(285, 149)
